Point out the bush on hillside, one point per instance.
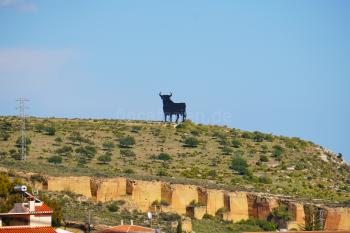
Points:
(164, 156)
(236, 143)
(265, 180)
(226, 150)
(127, 142)
(105, 158)
(64, 150)
(87, 151)
(277, 150)
(240, 165)
(113, 207)
(263, 224)
(19, 141)
(56, 159)
(4, 136)
(108, 145)
(264, 158)
(191, 142)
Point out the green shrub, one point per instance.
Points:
(247, 135)
(19, 141)
(226, 150)
(220, 212)
(88, 151)
(58, 140)
(136, 129)
(57, 208)
(55, 159)
(113, 207)
(108, 145)
(162, 172)
(212, 174)
(15, 154)
(105, 158)
(37, 178)
(277, 150)
(129, 171)
(64, 150)
(264, 158)
(191, 142)
(240, 165)
(281, 215)
(4, 136)
(164, 156)
(50, 130)
(299, 166)
(76, 137)
(236, 143)
(164, 203)
(265, 180)
(263, 224)
(127, 142)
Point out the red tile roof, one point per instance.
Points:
(43, 209)
(128, 228)
(27, 229)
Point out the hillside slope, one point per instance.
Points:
(187, 153)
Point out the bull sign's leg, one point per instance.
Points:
(183, 117)
(177, 117)
(164, 117)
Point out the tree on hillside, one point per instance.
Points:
(108, 145)
(281, 216)
(240, 165)
(57, 216)
(105, 158)
(64, 150)
(87, 151)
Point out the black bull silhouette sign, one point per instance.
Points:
(170, 108)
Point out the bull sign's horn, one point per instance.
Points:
(160, 93)
(171, 94)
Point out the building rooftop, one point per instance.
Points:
(21, 208)
(27, 229)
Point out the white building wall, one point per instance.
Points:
(40, 220)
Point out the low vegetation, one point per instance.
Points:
(186, 153)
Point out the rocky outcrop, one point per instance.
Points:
(337, 219)
(109, 189)
(237, 205)
(297, 214)
(144, 193)
(182, 196)
(78, 185)
(215, 201)
(260, 207)
(197, 201)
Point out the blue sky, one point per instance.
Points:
(275, 66)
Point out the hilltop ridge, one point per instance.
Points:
(188, 152)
